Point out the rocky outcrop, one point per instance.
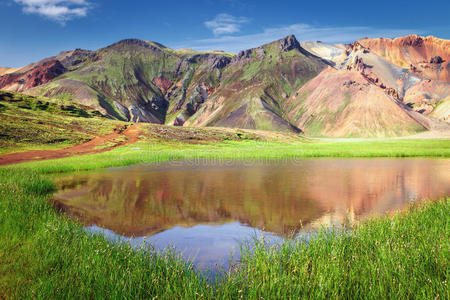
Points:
(356, 46)
(198, 97)
(411, 41)
(357, 64)
(218, 62)
(242, 58)
(75, 57)
(436, 60)
(393, 93)
(289, 43)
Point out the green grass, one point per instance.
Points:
(154, 151)
(41, 104)
(28, 122)
(402, 257)
(251, 70)
(45, 255)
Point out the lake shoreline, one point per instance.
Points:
(148, 151)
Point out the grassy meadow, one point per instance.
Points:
(43, 254)
(149, 150)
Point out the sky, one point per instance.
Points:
(35, 29)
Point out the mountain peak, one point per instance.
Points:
(286, 44)
(137, 43)
(289, 43)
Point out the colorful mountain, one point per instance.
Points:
(370, 88)
(427, 57)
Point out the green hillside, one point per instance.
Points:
(28, 122)
(142, 81)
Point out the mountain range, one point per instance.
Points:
(369, 88)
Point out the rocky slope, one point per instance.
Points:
(343, 102)
(367, 88)
(428, 57)
(255, 86)
(424, 100)
(42, 72)
(140, 81)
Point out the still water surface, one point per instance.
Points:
(205, 209)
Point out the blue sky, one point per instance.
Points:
(35, 29)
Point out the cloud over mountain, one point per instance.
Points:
(57, 10)
(226, 24)
(305, 32)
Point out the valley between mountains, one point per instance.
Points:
(369, 88)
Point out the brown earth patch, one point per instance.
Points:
(122, 135)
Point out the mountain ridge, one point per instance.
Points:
(257, 88)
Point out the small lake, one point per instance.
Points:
(205, 209)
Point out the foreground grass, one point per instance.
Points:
(45, 255)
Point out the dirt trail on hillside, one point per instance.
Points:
(98, 144)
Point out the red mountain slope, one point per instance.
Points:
(428, 57)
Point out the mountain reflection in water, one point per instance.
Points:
(277, 197)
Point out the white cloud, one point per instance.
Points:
(57, 10)
(303, 32)
(226, 24)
